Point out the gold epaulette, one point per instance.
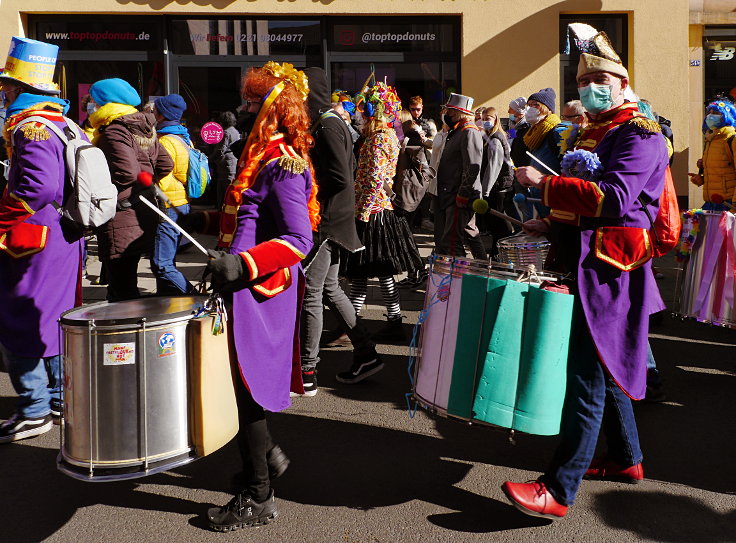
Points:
(35, 131)
(646, 124)
(291, 161)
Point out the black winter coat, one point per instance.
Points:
(334, 168)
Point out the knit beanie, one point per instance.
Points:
(518, 104)
(114, 90)
(171, 106)
(545, 96)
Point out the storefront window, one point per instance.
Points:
(615, 26)
(76, 77)
(433, 81)
(719, 53)
(208, 92)
(244, 37)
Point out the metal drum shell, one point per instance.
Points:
(125, 417)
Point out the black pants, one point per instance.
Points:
(122, 278)
(254, 441)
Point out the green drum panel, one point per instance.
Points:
(481, 303)
(543, 375)
(511, 355)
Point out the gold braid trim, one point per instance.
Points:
(645, 123)
(293, 164)
(35, 131)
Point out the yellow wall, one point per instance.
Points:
(509, 47)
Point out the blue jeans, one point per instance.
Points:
(37, 381)
(169, 280)
(323, 287)
(710, 206)
(593, 400)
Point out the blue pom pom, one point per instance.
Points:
(369, 109)
(581, 164)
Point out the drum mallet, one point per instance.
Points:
(719, 199)
(145, 179)
(550, 170)
(480, 206)
(172, 223)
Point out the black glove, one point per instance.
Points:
(227, 271)
(191, 222)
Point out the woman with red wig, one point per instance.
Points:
(265, 230)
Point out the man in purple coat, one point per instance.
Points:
(40, 261)
(604, 241)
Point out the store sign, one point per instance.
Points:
(212, 133)
(82, 34)
(721, 52)
(392, 37)
(243, 37)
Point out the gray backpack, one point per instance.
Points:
(93, 198)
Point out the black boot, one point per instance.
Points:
(391, 332)
(277, 462)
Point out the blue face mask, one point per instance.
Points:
(512, 117)
(487, 125)
(713, 121)
(596, 98)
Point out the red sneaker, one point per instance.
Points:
(601, 468)
(534, 499)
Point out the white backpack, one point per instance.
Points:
(93, 199)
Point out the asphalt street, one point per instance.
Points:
(363, 470)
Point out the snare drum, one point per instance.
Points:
(522, 250)
(126, 411)
(492, 349)
(707, 288)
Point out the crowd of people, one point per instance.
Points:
(321, 184)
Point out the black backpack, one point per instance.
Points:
(413, 174)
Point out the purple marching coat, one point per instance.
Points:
(36, 288)
(265, 329)
(617, 303)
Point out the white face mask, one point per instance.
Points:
(533, 115)
(91, 108)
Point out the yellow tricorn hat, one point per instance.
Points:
(591, 63)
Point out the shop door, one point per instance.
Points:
(208, 92)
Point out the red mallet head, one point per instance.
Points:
(145, 179)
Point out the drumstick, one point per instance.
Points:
(543, 164)
(172, 223)
(505, 217)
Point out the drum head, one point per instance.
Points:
(155, 308)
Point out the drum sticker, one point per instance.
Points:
(118, 354)
(166, 344)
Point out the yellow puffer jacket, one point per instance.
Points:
(719, 172)
(174, 184)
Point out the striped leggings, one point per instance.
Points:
(389, 291)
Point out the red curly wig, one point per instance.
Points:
(287, 115)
